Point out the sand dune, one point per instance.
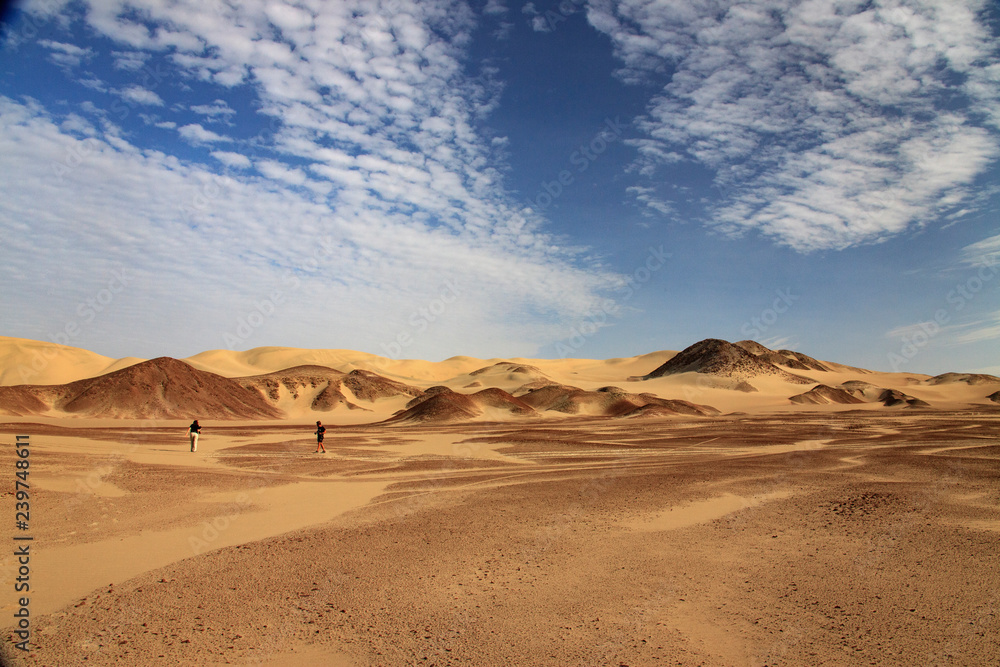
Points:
(967, 378)
(24, 361)
(510, 511)
(263, 360)
(507, 375)
(356, 387)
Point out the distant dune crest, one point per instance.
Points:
(708, 378)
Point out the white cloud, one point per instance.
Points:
(504, 30)
(216, 108)
(289, 18)
(69, 49)
(985, 252)
(140, 95)
(67, 55)
(375, 153)
(94, 84)
(279, 172)
(196, 134)
(540, 24)
(130, 61)
(826, 125)
(779, 343)
(232, 159)
(922, 334)
(979, 331)
(910, 330)
(649, 201)
(495, 8)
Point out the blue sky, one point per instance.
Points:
(496, 178)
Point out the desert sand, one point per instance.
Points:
(766, 532)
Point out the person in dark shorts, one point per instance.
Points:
(194, 431)
(320, 430)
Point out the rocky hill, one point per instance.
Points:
(724, 359)
(161, 388)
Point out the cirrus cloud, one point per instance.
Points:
(826, 124)
(371, 150)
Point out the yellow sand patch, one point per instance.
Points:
(702, 511)
(66, 574)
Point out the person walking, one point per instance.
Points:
(320, 430)
(194, 431)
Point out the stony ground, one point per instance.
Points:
(856, 539)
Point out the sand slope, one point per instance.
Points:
(24, 361)
(356, 387)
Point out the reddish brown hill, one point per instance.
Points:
(680, 407)
(320, 381)
(546, 396)
(753, 347)
(163, 388)
(370, 386)
(294, 380)
(856, 391)
(498, 398)
(823, 394)
(671, 408)
(796, 360)
(553, 397)
(326, 385)
(23, 400)
(441, 404)
(573, 400)
(722, 358)
(863, 390)
(786, 358)
(893, 397)
(438, 404)
(606, 401)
